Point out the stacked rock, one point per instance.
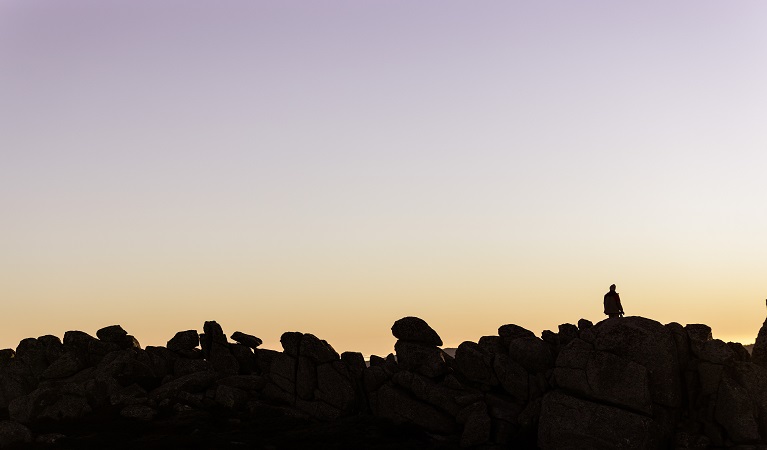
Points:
(417, 347)
(310, 375)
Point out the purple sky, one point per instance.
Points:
(330, 167)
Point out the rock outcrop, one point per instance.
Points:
(621, 383)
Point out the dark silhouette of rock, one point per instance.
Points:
(649, 344)
(603, 377)
(414, 329)
(622, 383)
(246, 339)
(532, 353)
(215, 349)
(396, 405)
(184, 343)
(569, 422)
(421, 358)
(567, 332)
(476, 424)
(475, 363)
(510, 332)
(584, 324)
(759, 351)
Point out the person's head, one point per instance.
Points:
(612, 288)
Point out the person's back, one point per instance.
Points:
(613, 307)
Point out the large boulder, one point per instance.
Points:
(603, 377)
(246, 339)
(414, 329)
(649, 344)
(509, 332)
(184, 343)
(215, 348)
(736, 412)
(475, 363)
(759, 352)
(398, 406)
(425, 359)
(573, 423)
(532, 353)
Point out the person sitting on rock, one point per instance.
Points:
(613, 307)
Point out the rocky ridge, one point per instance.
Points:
(630, 383)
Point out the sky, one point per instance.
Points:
(330, 167)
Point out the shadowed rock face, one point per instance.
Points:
(621, 383)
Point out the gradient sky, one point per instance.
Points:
(332, 166)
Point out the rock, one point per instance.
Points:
(355, 361)
(215, 348)
(79, 340)
(510, 332)
(532, 353)
(569, 422)
(374, 377)
(759, 352)
(139, 412)
(52, 347)
(246, 339)
(13, 434)
(264, 359)
(715, 351)
(736, 413)
(67, 365)
(246, 360)
(396, 405)
(698, 334)
(649, 344)
(334, 388)
(161, 360)
(681, 342)
(306, 378)
(475, 363)
(283, 372)
(230, 397)
(183, 366)
(491, 344)
(317, 350)
(248, 383)
(709, 375)
(194, 382)
(184, 343)
(112, 333)
(291, 341)
(7, 354)
(604, 377)
(425, 389)
(376, 360)
(512, 377)
(32, 354)
(476, 425)
(740, 352)
(131, 395)
(414, 329)
(550, 338)
(420, 358)
(567, 332)
(584, 324)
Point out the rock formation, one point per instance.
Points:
(628, 383)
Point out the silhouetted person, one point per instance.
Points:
(613, 307)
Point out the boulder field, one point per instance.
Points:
(627, 383)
